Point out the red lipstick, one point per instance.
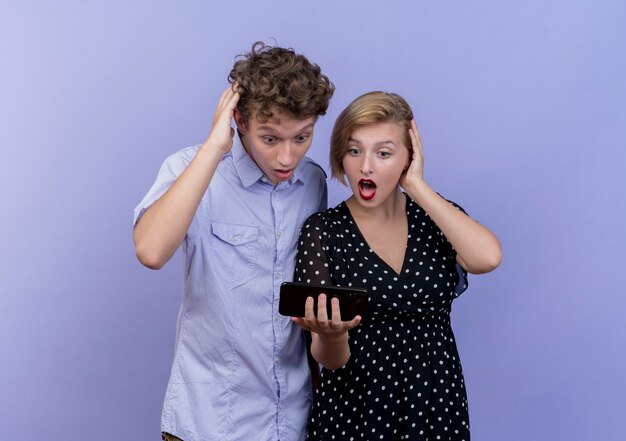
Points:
(367, 189)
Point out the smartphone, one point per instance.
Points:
(293, 295)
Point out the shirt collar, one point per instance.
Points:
(249, 172)
(245, 166)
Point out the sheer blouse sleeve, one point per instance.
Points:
(462, 283)
(314, 259)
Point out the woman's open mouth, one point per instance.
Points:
(367, 189)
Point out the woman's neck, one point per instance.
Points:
(391, 207)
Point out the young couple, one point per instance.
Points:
(238, 203)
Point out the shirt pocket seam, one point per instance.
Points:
(236, 244)
(234, 234)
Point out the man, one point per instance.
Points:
(236, 206)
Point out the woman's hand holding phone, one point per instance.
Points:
(318, 321)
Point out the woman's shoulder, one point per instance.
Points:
(327, 219)
(413, 208)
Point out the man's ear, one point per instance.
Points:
(241, 125)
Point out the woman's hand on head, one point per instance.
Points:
(413, 177)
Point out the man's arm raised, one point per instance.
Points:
(163, 226)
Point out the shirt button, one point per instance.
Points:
(278, 233)
(277, 360)
(277, 276)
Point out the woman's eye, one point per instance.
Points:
(384, 154)
(353, 151)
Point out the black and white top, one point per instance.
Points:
(404, 377)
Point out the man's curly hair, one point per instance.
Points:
(277, 79)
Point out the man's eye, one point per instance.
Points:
(302, 138)
(269, 139)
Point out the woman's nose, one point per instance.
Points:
(366, 165)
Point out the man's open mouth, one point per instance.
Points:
(283, 174)
(367, 189)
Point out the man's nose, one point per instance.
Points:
(285, 155)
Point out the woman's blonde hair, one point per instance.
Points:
(369, 108)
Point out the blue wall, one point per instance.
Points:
(521, 106)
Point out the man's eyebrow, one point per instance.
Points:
(307, 127)
(272, 129)
(267, 129)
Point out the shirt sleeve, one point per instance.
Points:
(320, 183)
(313, 261)
(169, 172)
(324, 199)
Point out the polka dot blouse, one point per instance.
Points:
(404, 377)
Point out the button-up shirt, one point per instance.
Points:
(240, 369)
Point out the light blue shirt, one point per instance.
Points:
(240, 369)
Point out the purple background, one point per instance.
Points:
(522, 112)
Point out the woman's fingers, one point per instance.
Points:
(300, 322)
(322, 313)
(415, 137)
(335, 321)
(316, 319)
(309, 313)
(352, 323)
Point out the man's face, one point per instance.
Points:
(277, 145)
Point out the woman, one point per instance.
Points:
(397, 375)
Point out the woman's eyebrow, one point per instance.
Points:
(381, 142)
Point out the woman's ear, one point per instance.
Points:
(239, 121)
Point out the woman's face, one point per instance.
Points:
(375, 159)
